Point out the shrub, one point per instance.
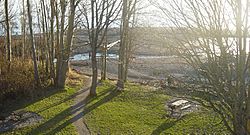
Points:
(17, 78)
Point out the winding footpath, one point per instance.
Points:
(78, 108)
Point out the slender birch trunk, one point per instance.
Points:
(23, 30)
(52, 49)
(36, 74)
(8, 32)
(93, 51)
(121, 64)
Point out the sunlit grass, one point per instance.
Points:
(140, 110)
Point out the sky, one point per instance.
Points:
(144, 14)
(147, 15)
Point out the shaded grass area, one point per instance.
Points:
(140, 110)
(56, 110)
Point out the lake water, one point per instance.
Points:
(230, 41)
(85, 56)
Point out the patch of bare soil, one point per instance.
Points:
(18, 120)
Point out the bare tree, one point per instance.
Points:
(36, 74)
(23, 29)
(102, 14)
(104, 59)
(61, 44)
(52, 49)
(65, 47)
(45, 35)
(8, 32)
(130, 47)
(211, 35)
(57, 53)
(126, 44)
(124, 29)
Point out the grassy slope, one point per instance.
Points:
(56, 111)
(140, 110)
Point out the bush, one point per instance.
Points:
(17, 78)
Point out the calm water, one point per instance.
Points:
(85, 56)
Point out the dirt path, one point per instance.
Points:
(79, 103)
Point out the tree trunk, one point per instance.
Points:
(8, 32)
(126, 69)
(93, 50)
(248, 91)
(40, 50)
(68, 44)
(129, 46)
(52, 66)
(60, 77)
(57, 44)
(101, 15)
(104, 60)
(36, 74)
(121, 64)
(44, 29)
(241, 121)
(94, 72)
(23, 31)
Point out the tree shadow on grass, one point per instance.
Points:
(64, 100)
(111, 94)
(164, 126)
(52, 127)
(101, 94)
(53, 123)
(22, 102)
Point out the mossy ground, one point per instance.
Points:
(140, 110)
(55, 109)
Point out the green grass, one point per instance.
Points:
(56, 111)
(140, 110)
